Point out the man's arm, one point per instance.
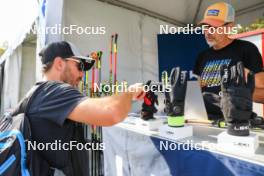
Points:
(258, 95)
(252, 59)
(106, 111)
(259, 80)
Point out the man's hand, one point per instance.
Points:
(137, 91)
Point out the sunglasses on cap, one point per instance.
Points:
(80, 64)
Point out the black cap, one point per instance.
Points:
(64, 50)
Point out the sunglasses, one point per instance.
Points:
(80, 64)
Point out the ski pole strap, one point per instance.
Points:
(176, 121)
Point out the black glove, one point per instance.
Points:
(174, 100)
(148, 106)
(212, 105)
(236, 101)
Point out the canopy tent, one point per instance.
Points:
(137, 22)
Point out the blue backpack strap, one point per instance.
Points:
(23, 108)
(19, 135)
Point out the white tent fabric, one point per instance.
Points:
(137, 40)
(16, 21)
(17, 25)
(191, 11)
(10, 93)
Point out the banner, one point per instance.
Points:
(179, 50)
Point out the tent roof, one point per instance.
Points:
(181, 12)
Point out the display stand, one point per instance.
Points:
(175, 132)
(242, 145)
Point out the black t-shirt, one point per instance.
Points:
(208, 63)
(48, 114)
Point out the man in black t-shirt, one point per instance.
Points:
(58, 104)
(218, 20)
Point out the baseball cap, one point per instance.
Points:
(64, 50)
(218, 14)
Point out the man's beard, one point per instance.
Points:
(211, 44)
(67, 77)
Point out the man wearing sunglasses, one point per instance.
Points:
(217, 24)
(58, 105)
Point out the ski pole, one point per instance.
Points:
(100, 53)
(87, 82)
(164, 78)
(93, 55)
(111, 61)
(115, 61)
(99, 137)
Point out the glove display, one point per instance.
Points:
(236, 100)
(174, 100)
(148, 106)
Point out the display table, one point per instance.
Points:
(132, 150)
